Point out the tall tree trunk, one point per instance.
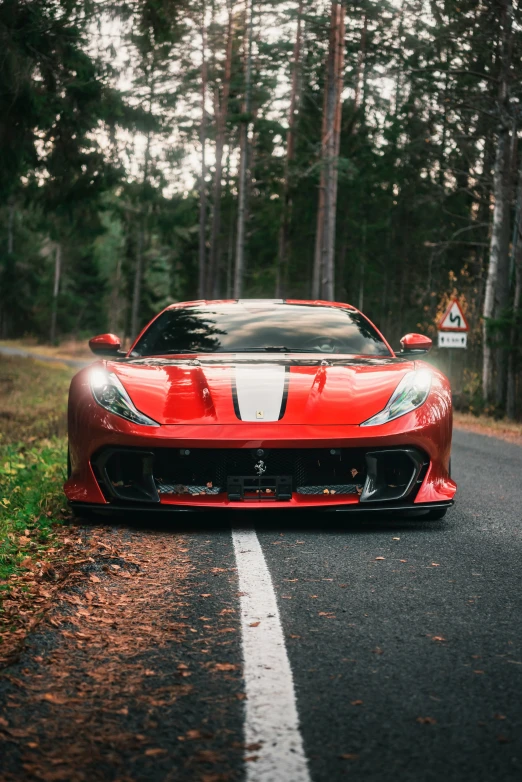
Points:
(115, 307)
(361, 58)
(335, 147)
(203, 185)
(363, 268)
(499, 244)
(319, 232)
(140, 243)
(282, 256)
(503, 300)
(56, 291)
(10, 227)
(239, 270)
(324, 268)
(221, 104)
(138, 275)
(511, 404)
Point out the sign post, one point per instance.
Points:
(453, 328)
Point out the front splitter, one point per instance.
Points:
(155, 508)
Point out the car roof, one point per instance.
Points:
(252, 302)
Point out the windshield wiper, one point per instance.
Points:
(257, 349)
(166, 353)
(268, 349)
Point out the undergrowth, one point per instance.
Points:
(31, 499)
(33, 447)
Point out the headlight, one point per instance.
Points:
(110, 393)
(411, 393)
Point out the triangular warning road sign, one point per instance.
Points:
(453, 319)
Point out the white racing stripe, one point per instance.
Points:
(271, 715)
(260, 391)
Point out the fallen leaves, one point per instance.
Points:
(379, 559)
(192, 735)
(51, 697)
(426, 721)
(108, 660)
(254, 624)
(438, 638)
(356, 703)
(349, 756)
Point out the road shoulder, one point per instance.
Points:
(509, 431)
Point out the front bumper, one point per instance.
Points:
(88, 486)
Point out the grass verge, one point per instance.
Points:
(69, 348)
(511, 431)
(33, 400)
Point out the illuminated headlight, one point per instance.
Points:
(411, 393)
(110, 393)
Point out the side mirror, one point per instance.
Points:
(415, 343)
(105, 344)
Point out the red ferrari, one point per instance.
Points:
(256, 404)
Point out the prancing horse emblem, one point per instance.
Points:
(260, 468)
(260, 414)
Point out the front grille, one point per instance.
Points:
(314, 467)
(272, 473)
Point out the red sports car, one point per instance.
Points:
(256, 404)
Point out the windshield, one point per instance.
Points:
(260, 327)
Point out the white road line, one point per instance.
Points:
(271, 715)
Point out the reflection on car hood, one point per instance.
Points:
(224, 389)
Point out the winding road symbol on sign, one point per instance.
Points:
(453, 319)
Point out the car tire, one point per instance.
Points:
(435, 514)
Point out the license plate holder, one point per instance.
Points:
(259, 488)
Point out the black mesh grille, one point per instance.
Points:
(137, 475)
(314, 466)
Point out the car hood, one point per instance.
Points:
(259, 389)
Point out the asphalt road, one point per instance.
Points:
(404, 641)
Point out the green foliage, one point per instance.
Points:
(33, 452)
(31, 496)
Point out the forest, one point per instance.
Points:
(162, 150)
